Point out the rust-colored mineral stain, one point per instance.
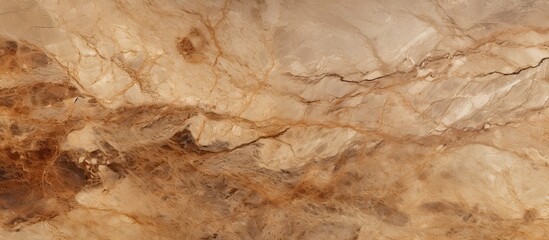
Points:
(33, 169)
(185, 47)
(29, 176)
(191, 46)
(16, 57)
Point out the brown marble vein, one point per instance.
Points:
(278, 119)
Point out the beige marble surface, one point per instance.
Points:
(274, 119)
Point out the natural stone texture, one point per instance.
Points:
(282, 119)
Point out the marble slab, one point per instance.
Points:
(274, 119)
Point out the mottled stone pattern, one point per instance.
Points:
(274, 119)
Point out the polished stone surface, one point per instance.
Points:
(274, 119)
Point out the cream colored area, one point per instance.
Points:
(274, 119)
(278, 62)
(299, 146)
